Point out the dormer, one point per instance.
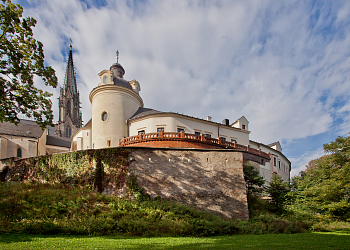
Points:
(276, 145)
(241, 123)
(135, 86)
(106, 77)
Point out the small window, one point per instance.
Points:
(160, 130)
(274, 161)
(222, 138)
(207, 135)
(87, 133)
(262, 161)
(104, 116)
(141, 132)
(233, 140)
(243, 126)
(105, 79)
(19, 152)
(180, 130)
(68, 131)
(197, 133)
(108, 143)
(279, 164)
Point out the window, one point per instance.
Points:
(141, 132)
(104, 116)
(279, 164)
(108, 143)
(262, 162)
(105, 79)
(87, 133)
(68, 131)
(179, 130)
(197, 133)
(243, 126)
(222, 138)
(19, 152)
(233, 140)
(160, 129)
(274, 161)
(207, 135)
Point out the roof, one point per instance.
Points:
(24, 128)
(89, 123)
(69, 79)
(58, 141)
(141, 112)
(121, 82)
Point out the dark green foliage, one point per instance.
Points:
(64, 209)
(324, 187)
(277, 190)
(22, 58)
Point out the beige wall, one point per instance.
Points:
(82, 139)
(268, 169)
(171, 122)
(120, 104)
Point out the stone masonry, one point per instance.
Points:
(211, 180)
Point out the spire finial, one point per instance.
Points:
(117, 53)
(70, 45)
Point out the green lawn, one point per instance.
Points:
(333, 240)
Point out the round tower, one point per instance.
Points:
(113, 102)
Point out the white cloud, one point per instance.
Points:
(272, 61)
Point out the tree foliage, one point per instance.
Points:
(253, 180)
(277, 190)
(324, 187)
(22, 58)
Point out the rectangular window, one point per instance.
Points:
(207, 135)
(243, 126)
(160, 129)
(274, 161)
(141, 132)
(108, 143)
(233, 140)
(197, 133)
(279, 164)
(262, 162)
(222, 138)
(179, 130)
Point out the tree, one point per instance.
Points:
(277, 190)
(324, 187)
(22, 58)
(253, 181)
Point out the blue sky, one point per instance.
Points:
(284, 65)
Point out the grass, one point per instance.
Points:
(329, 240)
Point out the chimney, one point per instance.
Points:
(226, 122)
(208, 118)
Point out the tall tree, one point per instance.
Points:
(22, 58)
(277, 190)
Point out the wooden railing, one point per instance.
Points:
(189, 137)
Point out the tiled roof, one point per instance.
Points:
(25, 128)
(89, 123)
(58, 141)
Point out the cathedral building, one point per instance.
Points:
(119, 118)
(69, 118)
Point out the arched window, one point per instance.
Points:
(19, 152)
(68, 131)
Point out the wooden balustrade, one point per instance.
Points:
(189, 137)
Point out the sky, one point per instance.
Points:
(284, 65)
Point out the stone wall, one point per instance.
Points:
(207, 179)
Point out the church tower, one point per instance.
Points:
(70, 119)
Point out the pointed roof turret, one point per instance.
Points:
(69, 79)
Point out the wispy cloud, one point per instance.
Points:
(284, 65)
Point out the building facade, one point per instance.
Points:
(119, 118)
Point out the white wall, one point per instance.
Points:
(171, 122)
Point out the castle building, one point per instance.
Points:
(119, 118)
(70, 118)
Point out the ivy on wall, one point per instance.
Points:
(105, 170)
